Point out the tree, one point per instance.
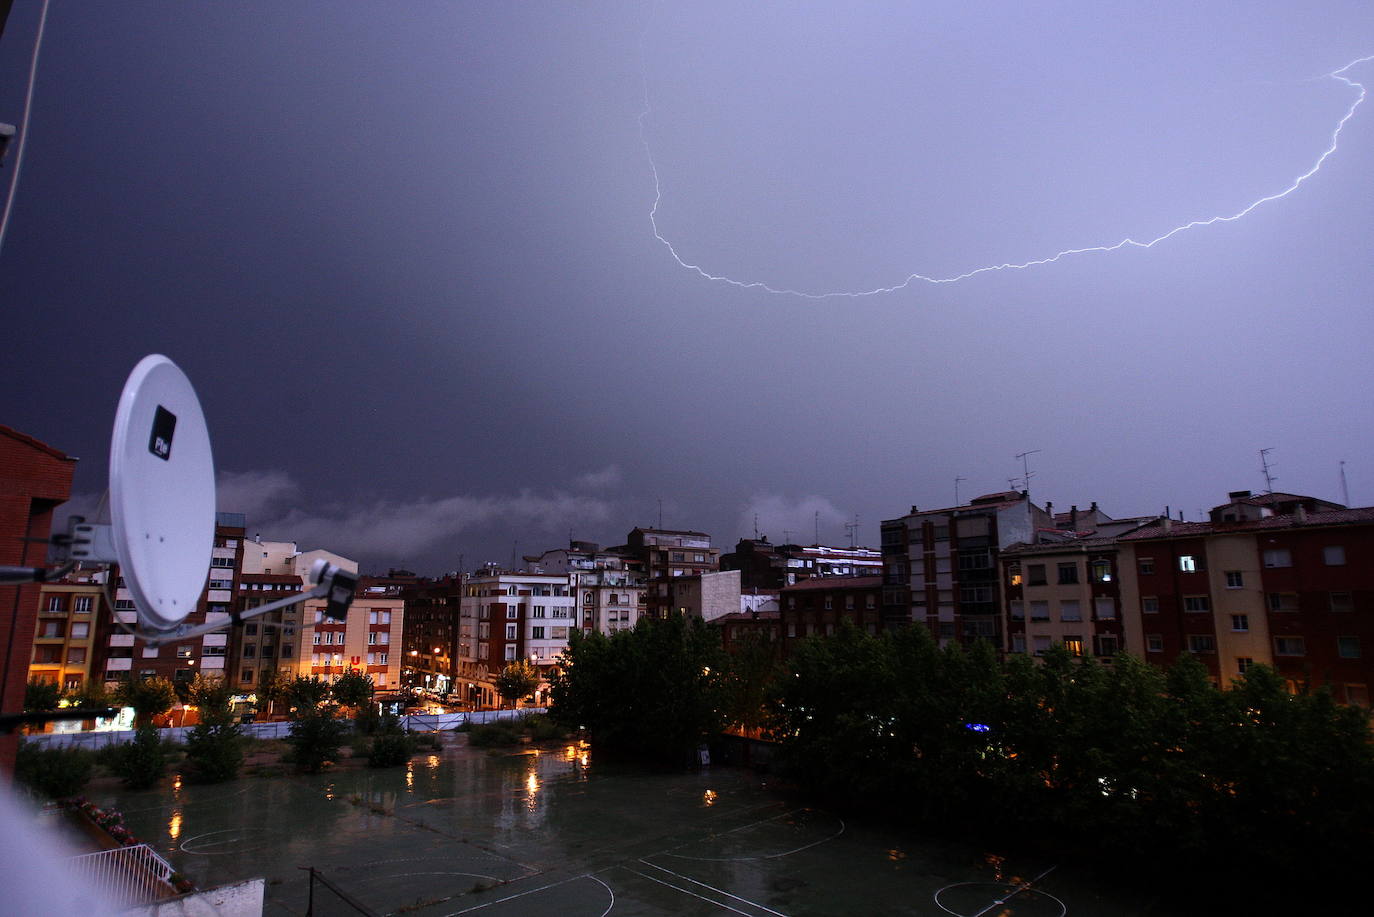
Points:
(518, 679)
(306, 693)
(149, 697)
(214, 747)
(751, 671)
(41, 696)
(90, 696)
(273, 688)
(316, 737)
(353, 688)
(142, 762)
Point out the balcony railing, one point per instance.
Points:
(127, 876)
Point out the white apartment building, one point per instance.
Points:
(505, 617)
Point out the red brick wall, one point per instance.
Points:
(34, 480)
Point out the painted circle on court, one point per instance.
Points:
(973, 899)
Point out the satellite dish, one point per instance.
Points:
(162, 515)
(162, 493)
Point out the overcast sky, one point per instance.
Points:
(405, 254)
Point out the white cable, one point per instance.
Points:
(24, 125)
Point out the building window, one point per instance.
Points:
(1240, 623)
(1197, 603)
(1101, 571)
(1018, 643)
(1149, 604)
(1340, 602)
(1234, 579)
(1278, 557)
(1283, 601)
(1290, 646)
(1018, 610)
(249, 650)
(1107, 644)
(381, 658)
(52, 629)
(372, 638)
(1146, 565)
(975, 560)
(1333, 555)
(1348, 647)
(512, 611)
(1190, 563)
(55, 603)
(1040, 611)
(829, 602)
(510, 653)
(1202, 643)
(286, 651)
(81, 604)
(221, 584)
(1014, 574)
(1104, 609)
(1074, 644)
(1070, 611)
(791, 629)
(510, 631)
(246, 677)
(536, 633)
(1041, 644)
(975, 595)
(1068, 574)
(1154, 643)
(1243, 664)
(1037, 575)
(222, 562)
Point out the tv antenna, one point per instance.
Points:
(1026, 473)
(817, 542)
(957, 480)
(852, 530)
(1345, 487)
(162, 515)
(1268, 470)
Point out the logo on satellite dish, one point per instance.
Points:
(164, 425)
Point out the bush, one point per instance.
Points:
(214, 751)
(390, 749)
(142, 762)
(41, 696)
(499, 733)
(542, 728)
(367, 721)
(316, 737)
(52, 773)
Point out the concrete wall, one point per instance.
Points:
(242, 899)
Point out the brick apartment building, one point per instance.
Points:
(940, 567)
(35, 479)
(663, 554)
(71, 613)
(816, 606)
(432, 654)
(768, 567)
(512, 616)
(1280, 579)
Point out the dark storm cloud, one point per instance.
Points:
(406, 251)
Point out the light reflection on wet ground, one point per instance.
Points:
(545, 832)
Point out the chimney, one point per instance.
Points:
(1073, 517)
(1093, 508)
(1167, 524)
(1300, 515)
(1049, 509)
(914, 510)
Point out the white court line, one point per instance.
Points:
(714, 889)
(766, 856)
(752, 824)
(541, 888)
(686, 892)
(609, 891)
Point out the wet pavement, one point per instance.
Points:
(548, 832)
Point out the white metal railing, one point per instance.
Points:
(418, 722)
(127, 876)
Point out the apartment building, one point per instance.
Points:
(70, 616)
(610, 585)
(664, 554)
(706, 595)
(816, 607)
(1280, 579)
(368, 640)
(940, 567)
(432, 655)
(506, 617)
(767, 566)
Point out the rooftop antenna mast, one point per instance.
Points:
(818, 527)
(957, 481)
(756, 526)
(660, 512)
(786, 536)
(1345, 487)
(852, 529)
(1268, 470)
(1026, 473)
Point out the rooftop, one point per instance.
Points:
(816, 583)
(1356, 516)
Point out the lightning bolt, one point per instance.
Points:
(1338, 75)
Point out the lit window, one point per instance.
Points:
(1188, 563)
(1074, 644)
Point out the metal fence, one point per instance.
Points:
(415, 722)
(127, 876)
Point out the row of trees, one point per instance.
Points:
(1127, 758)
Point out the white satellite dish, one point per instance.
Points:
(162, 514)
(162, 493)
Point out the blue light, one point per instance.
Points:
(978, 727)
